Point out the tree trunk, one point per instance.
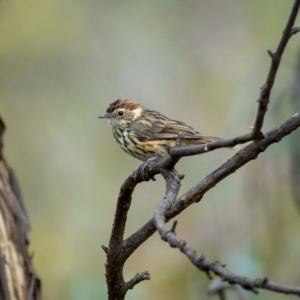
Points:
(18, 280)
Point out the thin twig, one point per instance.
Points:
(263, 99)
(295, 30)
(138, 278)
(119, 250)
(204, 264)
(196, 193)
(265, 92)
(201, 262)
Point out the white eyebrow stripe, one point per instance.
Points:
(137, 112)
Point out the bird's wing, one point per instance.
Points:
(164, 128)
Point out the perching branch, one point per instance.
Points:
(119, 249)
(196, 193)
(201, 262)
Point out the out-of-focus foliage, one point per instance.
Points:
(203, 62)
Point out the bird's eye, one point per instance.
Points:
(120, 113)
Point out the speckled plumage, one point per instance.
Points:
(145, 134)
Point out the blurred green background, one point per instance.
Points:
(202, 62)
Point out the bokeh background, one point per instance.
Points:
(203, 62)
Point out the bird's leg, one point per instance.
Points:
(142, 168)
(179, 137)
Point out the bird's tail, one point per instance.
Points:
(199, 140)
(207, 139)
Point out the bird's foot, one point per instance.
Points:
(179, 138)
(143, 170)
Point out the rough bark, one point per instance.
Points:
(18, 279)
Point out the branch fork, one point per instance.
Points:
(120, 249)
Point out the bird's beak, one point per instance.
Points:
(105, 116)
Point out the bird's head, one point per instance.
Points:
(122, 111)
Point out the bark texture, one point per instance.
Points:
(18, 279)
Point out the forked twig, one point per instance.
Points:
(120, 249)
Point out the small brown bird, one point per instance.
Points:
(147, 134)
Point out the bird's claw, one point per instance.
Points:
(142, 169)
(143, 172)
(179, 137)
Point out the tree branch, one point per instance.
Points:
(204, 264)
(137, 278)
(263, 99)
(119, 250)
(201, 262)
(196, 193)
